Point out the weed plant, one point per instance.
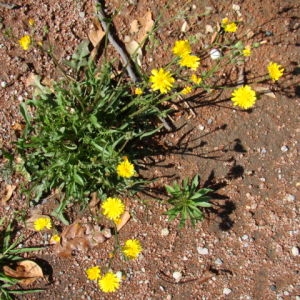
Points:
(187, 200)
(81, 129)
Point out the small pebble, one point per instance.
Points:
(218, 261)
(201, 127)
(286, 293)
(202, 251)
(209, 121)
(81, 14)
(290, 197)
(227, 291)
(177, 276)
(297, 297)
(165, 232)
(284, 148)
(215, 54)
(295, 251)
(263, 151)
(273, 287)
(3, 84)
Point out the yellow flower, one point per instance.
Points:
(244, 97)
(161, 80)
(125, 169)
(31, 22)
(190, 61)
(195, 79)
(181, 48)
(186, 90)
(25, 42)
(93, 273)
(42, 223)
(138, 91)
(110, 282)
(132, 249)
(275, 71)
(113, 208)
(55, 238)
(228, 26)
(247, 51)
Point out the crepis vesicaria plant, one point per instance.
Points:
(187, 200)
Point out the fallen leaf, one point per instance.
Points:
(96, 35)
(8, 193)
(18, 127)
(265, 91)
(27, 270)
(184, 27)
(80, 237)
(124, 219)
(146, 26)
(135, 51)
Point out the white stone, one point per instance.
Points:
(3, 84)
(209, 29)
(295, 251)
(227, 291)
(202, 251)
(284, 148)
(165, 232)
(177, 276)
(245, 237)
(218, 261)
(215, 54)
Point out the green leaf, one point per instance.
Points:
(24, 112)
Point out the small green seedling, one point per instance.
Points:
(187, 200)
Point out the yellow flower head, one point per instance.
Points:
(181, 48)
(247, 51)
(161, 80)
(125, 169)
(138, 91)
(55, 238)
(93, 273)
(42, 223)
(187, 90)
(195, 79)
(275, 71)
(228, 26)
(190, 61)
(25, 42)
(113, 208)
(110, 282)
(244, 97)
(132, 249)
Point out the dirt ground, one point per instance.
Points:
(248, 245)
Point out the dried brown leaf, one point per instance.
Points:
(146, 26)
(134, 49)
(124, 219)
(8, 193)
(27, 270)
(79, 237)
(96, 35)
